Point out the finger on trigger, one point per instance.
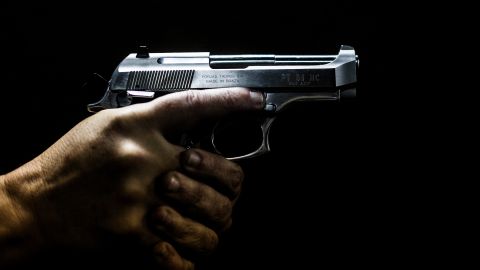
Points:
(194, 106)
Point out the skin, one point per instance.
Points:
(116, 176)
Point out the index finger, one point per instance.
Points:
(184, 110)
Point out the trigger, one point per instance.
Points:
(270, 108)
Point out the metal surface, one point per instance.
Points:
(282, 78)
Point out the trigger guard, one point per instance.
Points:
(261, 150)
(266, 132)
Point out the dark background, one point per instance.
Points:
(313, 201)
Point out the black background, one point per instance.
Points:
(313, 201)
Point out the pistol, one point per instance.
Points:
(283, 79)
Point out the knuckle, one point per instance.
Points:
(132, 191)
(192, 97)
(162, 213)
(195, 158)
(117, 139)
(130, 151)
(173, 175)
(130, 223)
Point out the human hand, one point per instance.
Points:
(97, 182)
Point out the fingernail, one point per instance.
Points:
(256, 97)
(173, 184)
(193, 159)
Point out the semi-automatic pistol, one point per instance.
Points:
(282, 79)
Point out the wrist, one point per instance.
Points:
(19, 236)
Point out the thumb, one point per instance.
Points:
(184, 110)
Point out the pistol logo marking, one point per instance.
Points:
(222, 78)
(300, 79)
